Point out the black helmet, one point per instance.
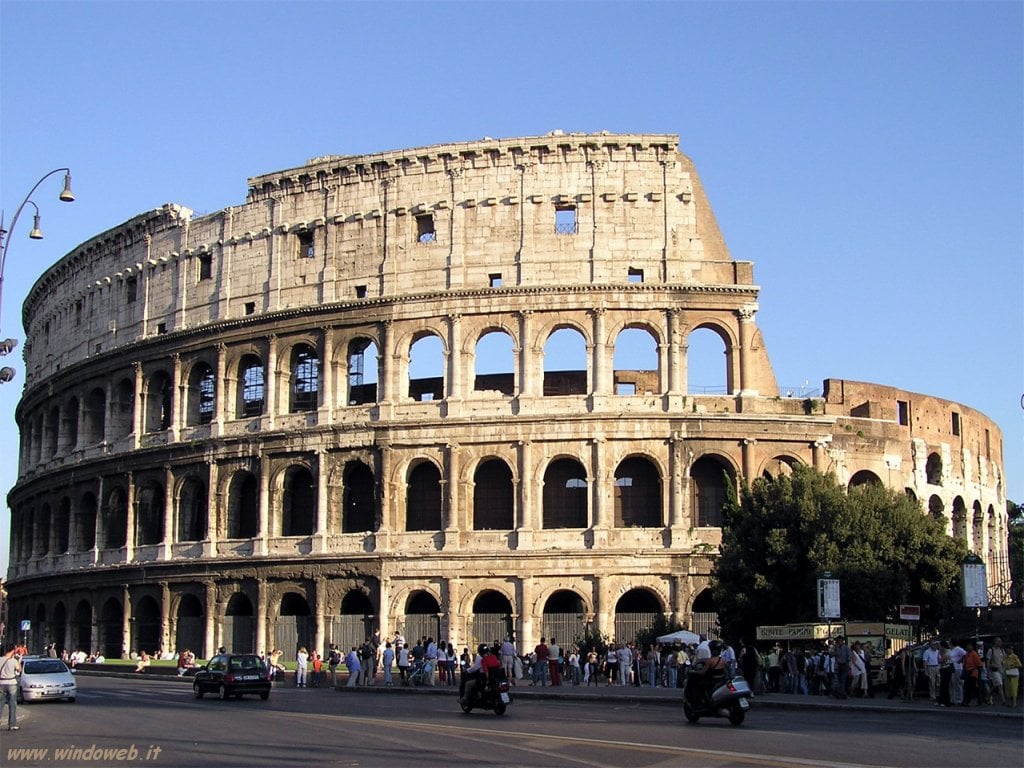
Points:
(715, 647)
(483, 648)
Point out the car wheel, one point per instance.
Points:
(222, 692)
(197, 691)
(265, 695)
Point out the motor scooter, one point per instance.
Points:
(493, 693)
(715, 695)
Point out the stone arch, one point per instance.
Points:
(85, 522)
(566, 494)
(243, 506)
(639, 493)
(362, 370)
(780, 465)
(494, 505)
(936, 508)
(426, 371)
(81, 627)
(636, 362)
(158, 399)
(190, 625)
(239, 624)
(635, 610)
(294, 627)
(959, 518)
(494, 362)
(192, 507)
(51, 432)
(62, 526)
(150, 501)
(200, 394)
(978, 528)
(933, 469)
(491, 617)
(146, 625)
(708, 477)
(423, 499)
(565, 347)
(95, 413)
(360, 512)
(69, 426)
(863, 477)
(122, 409)
(303, 378)
(250, 386)
(41, 530)
(563, 616)
(114, 522)
(705, 375)
(298, 501)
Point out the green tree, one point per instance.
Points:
(781, 534)
(1015, 545)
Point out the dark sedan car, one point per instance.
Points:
(232, 674)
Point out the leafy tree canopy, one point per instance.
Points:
(781, 534)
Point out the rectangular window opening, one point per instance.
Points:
(306, 249)
(205, 267)
(161, 328)
(903, 413)
(625, 388)
(956, 423)
(131, 290)
(360, 291)
(425, 232)
(250, 307)
(635, 275)
(565, 220)
(494, 280)
(78, 313)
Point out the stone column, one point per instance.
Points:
(746, 332)
(598, 478)
(386, 364)
(527, 513)
(165, 617)
(263, 640)
(170, 532)
(748, 458)
(219, 417)
(320, 601)
(453, 522)
(126, 622)
(211, 621)
(270, 382)
(129, 534)
(178, 388)
(263, 535)
(139, 409)
(676, 363)
(320, 530)
(212, 505)
(676, 469)
(327, 372)
(526, 356)
(601, 380)
(389, 504)
(456, 374)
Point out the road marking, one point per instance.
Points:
(474, 734)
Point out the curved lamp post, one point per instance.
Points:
(67, 196)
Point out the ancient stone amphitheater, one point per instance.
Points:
(400, 392)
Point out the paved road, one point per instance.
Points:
(381, 728)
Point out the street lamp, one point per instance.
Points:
(67, 196)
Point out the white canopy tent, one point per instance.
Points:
(682, 637)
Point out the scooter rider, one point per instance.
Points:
(699, 680)
(483, 666)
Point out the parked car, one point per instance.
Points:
(43, 679)
(232, 674)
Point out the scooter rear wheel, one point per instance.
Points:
(736, 714)
(499, 708)
(465, 707)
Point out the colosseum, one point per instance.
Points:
(340, 407)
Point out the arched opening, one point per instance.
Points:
(362, 371)
(978, 529)
(494, 364)
(635, 362)
(637, 494)
(359, 499)
(239, 628)
(959, 519)
(192, 510)
(252, 389)
(190, 626)
(201, 395)
(62, 526)
(707, 363)
(423, 498)
(708, 478)
(59, 627)
(299, 503)
(779, 466)
(294, 626)
(636, 611)
(493, 497)
(426, 369)
(122, 409)
(565, 495)
(937, 510)
(159, 394)
(42, 531)
(146, 626)
(563, 619)
(52, 432)
(491, 619)
(69, 429)
(863, 477)
(305, 379)
(565, 363)
(95, 414)
(933, 469)
(149, 514)
(243, 506)
(85, 523)
(115, 520)
(355, 624)
(422, 617)
(704, 615)
(81, 629)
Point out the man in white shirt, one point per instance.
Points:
(703, 649)
(956, 655)
(930, 657)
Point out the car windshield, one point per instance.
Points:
(45, 667)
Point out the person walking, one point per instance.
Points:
(10, 670)
(387, 660)
(1011, 673)
(994, 664)
(301, 667)
(842, 665)
(972, 675)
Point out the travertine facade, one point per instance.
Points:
(227, 437)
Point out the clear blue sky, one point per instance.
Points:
(868, 157)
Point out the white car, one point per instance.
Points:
(43, 679)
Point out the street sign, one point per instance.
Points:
(974, 582)
(26, 625)
(828, 598)
(910, 613)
